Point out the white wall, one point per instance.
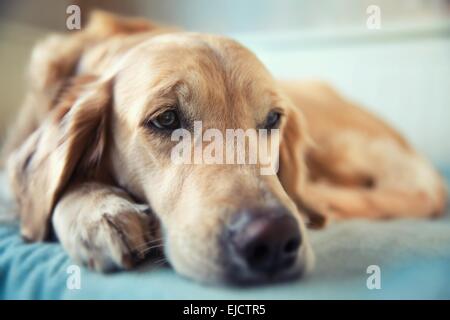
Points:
(402, 71)
(401, 74)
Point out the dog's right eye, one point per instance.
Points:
(167, 120)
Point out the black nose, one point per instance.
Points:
(265, 241)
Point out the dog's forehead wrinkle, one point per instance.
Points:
(209, 75)
(225, 62)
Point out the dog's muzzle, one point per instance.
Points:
(261, 245)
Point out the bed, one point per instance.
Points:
(413, 256)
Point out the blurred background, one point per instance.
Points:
(400, 70)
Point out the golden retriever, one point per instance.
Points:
(89, 157)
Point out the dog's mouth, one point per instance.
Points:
(255, 246)
(243, 278)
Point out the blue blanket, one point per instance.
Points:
(413, 257)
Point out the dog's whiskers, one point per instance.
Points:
(145, 250)
(159, 262)
(145, 244)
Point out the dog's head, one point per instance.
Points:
(221, 219)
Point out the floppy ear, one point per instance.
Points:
(73, 135)
(54, 59)
(293, 171)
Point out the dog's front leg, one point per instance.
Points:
(102, 227)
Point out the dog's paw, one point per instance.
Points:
(115, 240)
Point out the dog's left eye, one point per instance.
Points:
(272, 120)
(167, 120)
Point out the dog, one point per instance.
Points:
(89, 156)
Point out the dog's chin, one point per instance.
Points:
(193, 266)
(242, 276)
(239, 276)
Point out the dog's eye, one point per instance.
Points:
(272, 120)
(168, 120)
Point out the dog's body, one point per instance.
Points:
(74, 153)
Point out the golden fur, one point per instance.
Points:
(79, 155)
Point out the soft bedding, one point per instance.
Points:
(413, 257)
